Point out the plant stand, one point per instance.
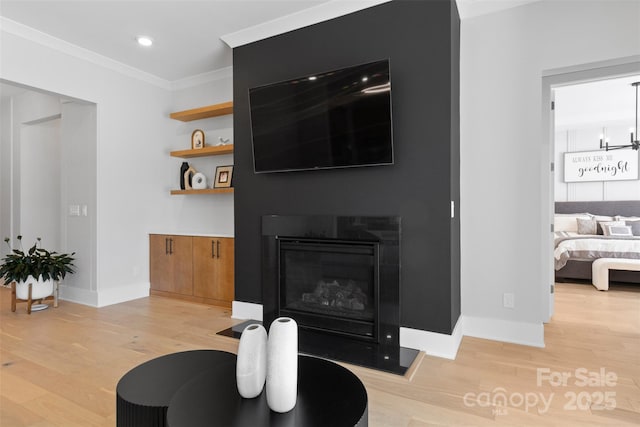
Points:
(30, 302)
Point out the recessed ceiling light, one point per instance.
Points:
(144, 41)
(312, 78)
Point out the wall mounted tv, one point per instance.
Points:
(334, 119)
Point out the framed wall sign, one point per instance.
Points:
(587, 166)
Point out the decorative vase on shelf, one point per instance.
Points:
(183, 170)
(251, 364)
(282, 365)
(188, 177)
(199, 181)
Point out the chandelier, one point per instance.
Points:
(634, 144)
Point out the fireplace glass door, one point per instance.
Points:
(330, 285)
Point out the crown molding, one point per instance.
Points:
(200, 79)
(322, 12)
(31, 34)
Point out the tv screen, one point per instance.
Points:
(334, 119)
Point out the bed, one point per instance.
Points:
(576, 249)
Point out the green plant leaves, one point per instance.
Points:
(18, 266)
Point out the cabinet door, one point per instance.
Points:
(213, 268)
(170, 261)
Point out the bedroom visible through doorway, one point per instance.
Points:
(594, 189)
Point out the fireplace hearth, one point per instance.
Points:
(339, 278)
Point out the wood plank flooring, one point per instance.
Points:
(60, 367)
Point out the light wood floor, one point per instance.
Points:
(60, 367)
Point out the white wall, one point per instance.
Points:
(134, 136)
(78, 164)
(40, 196)
(28, 128)
(133, 170)
(503, 56)
(210, 214)
(6, 170)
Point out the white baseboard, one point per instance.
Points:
(432, 343)
(106, 297)
(524, 333)
(78, 295)
(123, 293)
(246, 310)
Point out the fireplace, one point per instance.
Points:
(339, 278)
(330, 285)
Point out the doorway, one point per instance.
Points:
(48, 146)
(553, 81)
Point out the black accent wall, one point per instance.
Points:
(421, 40)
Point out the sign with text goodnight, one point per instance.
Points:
(585, 166)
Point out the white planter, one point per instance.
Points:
(40, 288)
(251, 365)
(282, 365)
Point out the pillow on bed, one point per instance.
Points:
(607, 227)
(635, 227)
(568, 222)
(587, 226)
(601, 218)
(617, 230)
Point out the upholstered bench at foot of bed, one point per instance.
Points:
(600, 270)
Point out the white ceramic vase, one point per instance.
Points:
(282, 365)
(199, 181)
(39, 288)
(251, 364)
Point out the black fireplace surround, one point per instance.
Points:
(339, 278)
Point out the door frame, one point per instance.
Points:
(552, 79)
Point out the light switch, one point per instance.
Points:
(84, 210)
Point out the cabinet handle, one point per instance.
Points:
(166, 246)
(213, 249)
(218, 242)
(170, 246)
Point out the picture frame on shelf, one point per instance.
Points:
(223, 177)
(197, 139)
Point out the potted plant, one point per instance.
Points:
(36, 266)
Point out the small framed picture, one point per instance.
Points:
(223, 177)
(197, 139)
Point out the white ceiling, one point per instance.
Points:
(187, 34)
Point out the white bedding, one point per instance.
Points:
(574, 246)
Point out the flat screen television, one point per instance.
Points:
(334, 119)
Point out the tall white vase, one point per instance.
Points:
(282, 365)
(251, 364)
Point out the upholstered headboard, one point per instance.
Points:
(610, 208)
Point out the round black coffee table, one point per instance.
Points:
(328, 395)
(143, 393)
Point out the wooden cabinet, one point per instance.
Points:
(170, 267)
(213, 268)
(199, 269)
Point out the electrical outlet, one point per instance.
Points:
(508, 300)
